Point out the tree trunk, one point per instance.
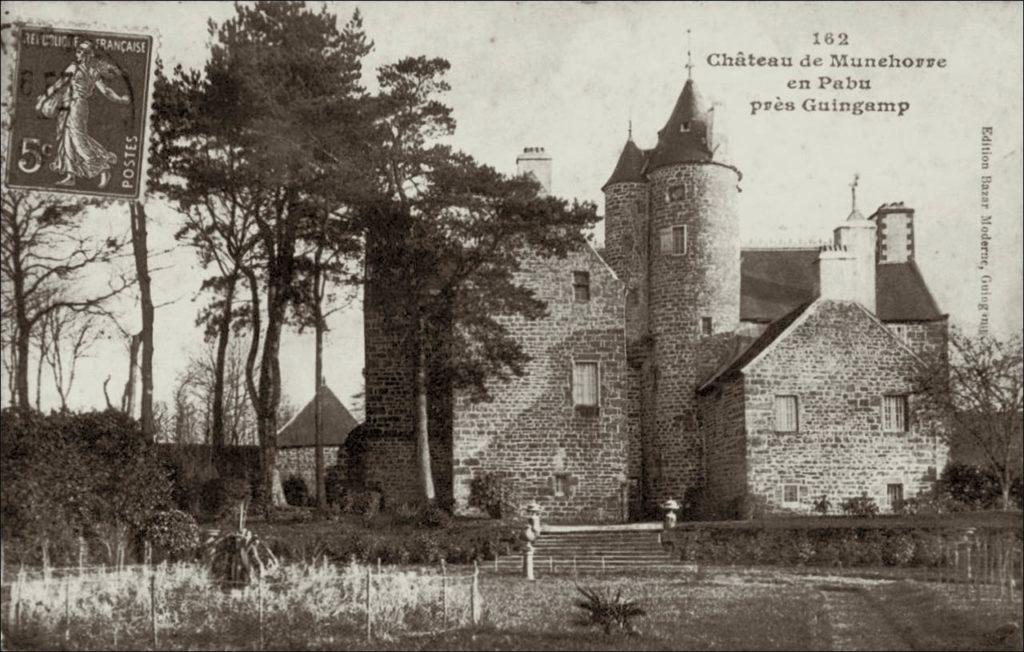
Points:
(270, 396)
(128, 396)
(318, 417)
(223, 337)
(23, 344)
(141, 252)
(422, 429)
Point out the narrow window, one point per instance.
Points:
(584, 384)
(673, 240)
(561, 485)
(894, 413)
(581, 286)
(665, 239)
(786, 417)
(684, 127)
(633, 297)
(931, 475)
(706, 326)
(894, 492)
(791, 493)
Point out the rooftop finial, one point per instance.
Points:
(629, 132)
(689, 55)
(853, 193)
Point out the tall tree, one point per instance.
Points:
(279, 96)
(445, 238)
(979, 396)
(71, 334)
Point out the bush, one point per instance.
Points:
(296, 493)
(494, 494)
(928, 549)
(221, 496)
(862, 506)
(748, 507)
(822, 505)
(174, 534)
(970, 486)
(335, 481)
(898, 550)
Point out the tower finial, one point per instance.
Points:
(689, 55)
(853, 192)
(629, 133)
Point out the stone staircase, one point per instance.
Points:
(593, 549)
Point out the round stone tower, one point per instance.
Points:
(625, 233)
(694, 280)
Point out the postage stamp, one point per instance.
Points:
(79, 114)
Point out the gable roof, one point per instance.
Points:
(301, 429)
(775, 281)
(746, 355)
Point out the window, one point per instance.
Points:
(706, 326)
(584, 384)
(684, 127)
(894, 413)
(676, 193)
(894, 492)
(581, 286)
(786, 417)
(633, 297)
(673, 240)
(930, 474)
(561, 485)
(791, 493)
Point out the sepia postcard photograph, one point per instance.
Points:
(594, 325)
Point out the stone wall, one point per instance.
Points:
(925, 338)
(301, 461)
(839, 362)
(531, 433)
(722, 424)
(703, 282)
(627, 238)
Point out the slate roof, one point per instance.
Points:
(745, 355)
(774, 281)
(630, 168)
(676, 145)
(337, 423)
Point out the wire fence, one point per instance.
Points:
(984, 569)
(182, 607)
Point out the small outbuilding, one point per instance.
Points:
(296, 440)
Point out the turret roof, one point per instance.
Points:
(687, 134)
(630, 167)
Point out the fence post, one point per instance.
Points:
(67, 612)
(369, 617)
(152, 609)
(259, 598)
(81, 554)
(474, 595)
(444, 596)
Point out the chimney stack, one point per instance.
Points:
(535, 161)
(895, 224)
(836, 273)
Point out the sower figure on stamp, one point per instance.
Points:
(77, 153)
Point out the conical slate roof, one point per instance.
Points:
(687, 134)
(630, 168)
(301, 430)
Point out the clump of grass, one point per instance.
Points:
(607, 612)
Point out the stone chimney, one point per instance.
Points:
(836, 273)
(895, 229)
(535, 161)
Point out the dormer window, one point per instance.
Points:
(685, 127)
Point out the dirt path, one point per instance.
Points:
(855, 624)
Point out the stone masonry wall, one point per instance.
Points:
(723, 430)
(839, 362)
(301, 461)
(530, 433)
(703, 282)
(925, 338)
(626, 241)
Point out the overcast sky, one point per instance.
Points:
(569, 77)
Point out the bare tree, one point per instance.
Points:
(979, 396)
(45, 257)
(70, 334)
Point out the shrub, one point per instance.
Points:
(239, 557)
(822, 505)
(862, 506)
(694, 507)
(607, 612)
(494, 494)
(971, 486)
(433, 517)
(221, 496)
(748, 507)
(801, 549)
(928, 549)
(898, 549)
(295, 491)
(335, 484)
(173, 533)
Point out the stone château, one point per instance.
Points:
(677, 364)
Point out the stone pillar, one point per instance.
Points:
(671, 507)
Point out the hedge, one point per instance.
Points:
(823, 546)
